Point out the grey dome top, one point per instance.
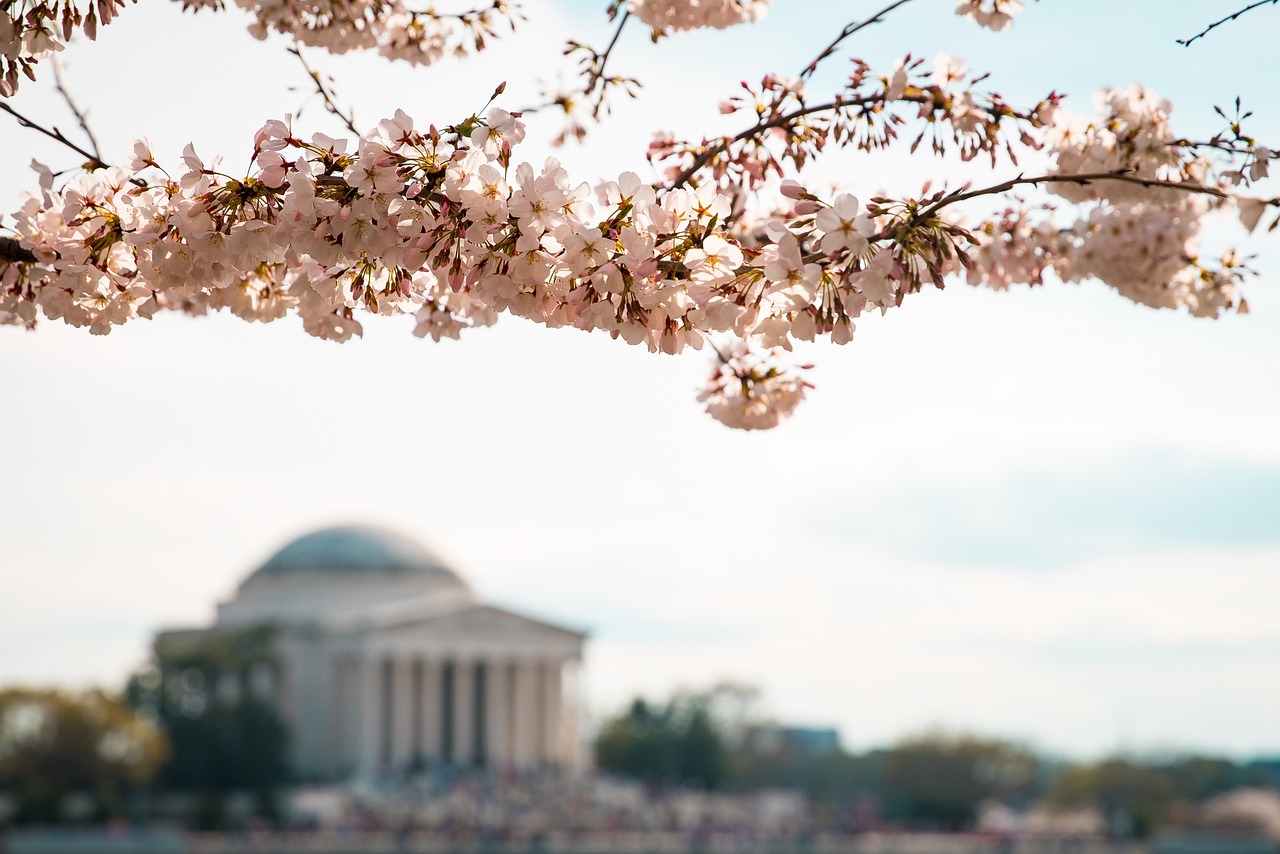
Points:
(351, 550)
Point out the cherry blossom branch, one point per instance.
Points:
(499, 6)
(12, 251)
(597, 78)
(75, 109)
(848, 31)
(437, 224)
(1229, 18)
(594, 84)
(1080, 178)
(348, 117)
(91, 160)
(723, 143)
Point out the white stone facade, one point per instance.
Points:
(384, 663)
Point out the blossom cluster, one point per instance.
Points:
(1135, 235)
(993, 14)
(42, 28)
(788, 129)
(753, 389)
(677, 15)
(447, 226)
(443, 225)
(394, 29)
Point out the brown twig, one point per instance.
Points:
(80, 115)
(1079, 178)
(499, 6)
(347, 118)
(597, 72)
(92, 161)
(11, 251)
(1218, 23)
(849, 30)
(781, 121)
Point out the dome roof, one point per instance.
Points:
(354, 550)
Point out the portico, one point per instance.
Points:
(385, 663)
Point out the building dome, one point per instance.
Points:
(342, 574)
(355, 550)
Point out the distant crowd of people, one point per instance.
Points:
(550, 811)
(578, 813)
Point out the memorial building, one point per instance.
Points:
(382, 661)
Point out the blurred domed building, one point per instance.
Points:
(382, 661)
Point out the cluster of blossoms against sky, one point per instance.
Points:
(450, 227)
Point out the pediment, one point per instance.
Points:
(480, 622)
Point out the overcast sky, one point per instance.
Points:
(1049, 514)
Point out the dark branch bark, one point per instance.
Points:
(1218, 23)
(12, 251)
(849, 30)
(80, 115)
(346, 117)
(1079, 178)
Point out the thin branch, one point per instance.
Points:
(347, 118)
(852, 28)
(597, 73)
(499, 6)
(11, 251)
(90, 159)
(75, 109)
(1079, 178)
(781, 121)
(1231, 17)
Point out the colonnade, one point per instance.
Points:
(395, 714)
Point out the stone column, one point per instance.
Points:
(368, 685)
(463, 711)
(401, 714)
(432, 673)
(498, 713)
(341, 729)
(570, 710)
(525, 714)
(552, 752)
(415, 713)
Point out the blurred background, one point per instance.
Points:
(1008, 575)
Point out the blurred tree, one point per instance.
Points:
(55, 744)
(1197, 778)
(939, 780)
(225, 736)
(679, 742)
(1135, 798)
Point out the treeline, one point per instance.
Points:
(190, 724)
(931, 781)
(189, 728)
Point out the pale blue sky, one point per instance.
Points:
(1049, 514)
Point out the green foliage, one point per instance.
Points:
(932, 781)
(1197, 778)
(227, 747)
(939, 780)
(54, 744)
(678, 743)
(222, 741)
(1138, 795)
(826, 778)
